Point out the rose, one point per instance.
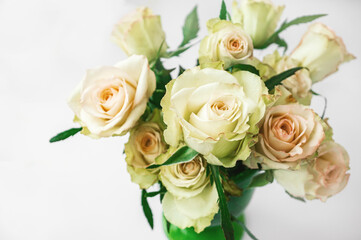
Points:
(110, 100)
(299, 84)
(258, 18)
(145, 144)
(226, 42)
(140, 32)
(191, 200)
(322, 178)
(321, 51)
(289, 133)
(214, 112)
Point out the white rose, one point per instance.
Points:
(226, 42)
(321, 51)
(258, 18)
(140, 32)
(110, 100)
(298, 84)
(191, 200)
(214, 112)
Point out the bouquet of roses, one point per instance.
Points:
(210, 134)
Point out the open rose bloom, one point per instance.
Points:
(203, 138)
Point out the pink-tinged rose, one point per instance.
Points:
(111, 99)
(322, 178)
(321, 51)
(289, 133)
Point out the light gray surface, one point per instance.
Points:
(79, 189)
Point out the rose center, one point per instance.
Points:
(236, 44)
(191, 168)
(148, 142)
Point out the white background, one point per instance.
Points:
(80, 189)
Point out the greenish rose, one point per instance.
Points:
(321, 51)
(226, 42)
(140, 32)
(191, 200)
(214, 112)
(299, 84)
(144, 146)
(258, 18)
(321, 178)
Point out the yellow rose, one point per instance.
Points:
(288, 134)
(144, 146)
(214, 112)
(140, 32)
(110, 99)
(191, 200)
(258, 18)
(226, 42)
(321, 51)
(322, 178)
(298, 84)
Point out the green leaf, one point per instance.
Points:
(277, 79)
(281, 43)
(244, 67)
(183, 154)
(260, 180)
(156, 59)
(153, 194)
(223, 12)
(157, 96)
(226, 222)
(299, 20)
(64, 135)
(274, 38)
(181, 70)
(229, 16)
(146, 209)
(177, 52)
(325, 101)
(190, 28)
(269, 176)
(297, 198)
(244, 227)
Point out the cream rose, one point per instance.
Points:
(191, 200)
(140, 32)
(226, 42)
(144, 146)
(299, 84)
(321, 51)
(322, 178)
(289, 133)
(258, 18)
(214, 112)
(110, 100)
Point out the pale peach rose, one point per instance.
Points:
(322, 178)
(289, 133)
(144, 146)
(321, 51)
(110, 99)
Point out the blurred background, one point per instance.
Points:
(79, 188)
